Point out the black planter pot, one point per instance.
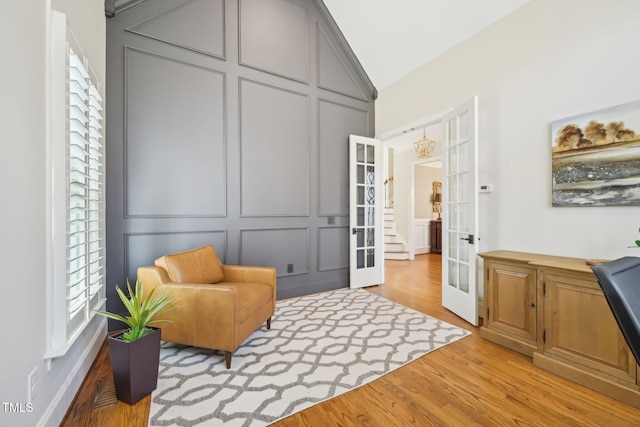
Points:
(135, 366)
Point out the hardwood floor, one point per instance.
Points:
(470, 382)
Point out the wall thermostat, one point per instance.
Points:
(486, 188)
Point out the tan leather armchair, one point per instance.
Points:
(219, 305)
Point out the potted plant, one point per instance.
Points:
(135, 353)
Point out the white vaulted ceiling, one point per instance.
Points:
(391, 38)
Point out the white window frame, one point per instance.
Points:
(76, 215)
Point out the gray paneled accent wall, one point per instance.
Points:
(287, 249)
(274, 37)
(274, 149)
(333, 248)
(334, 121)
(228, 124)
(205, 21)
(177, 143)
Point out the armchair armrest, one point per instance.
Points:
(251, 274)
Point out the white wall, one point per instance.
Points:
(423, 179)
(546, 61)
(24, 38)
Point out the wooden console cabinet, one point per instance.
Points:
(552, 309)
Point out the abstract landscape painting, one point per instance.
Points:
(596, 158)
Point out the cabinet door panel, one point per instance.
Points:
(512, 291)
(580, 328)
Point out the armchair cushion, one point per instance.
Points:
(199, 265)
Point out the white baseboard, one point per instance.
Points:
(57, 409)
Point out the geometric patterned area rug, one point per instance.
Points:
(319, 346)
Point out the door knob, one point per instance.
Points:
(469, 239)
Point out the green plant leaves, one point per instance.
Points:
(143, 310)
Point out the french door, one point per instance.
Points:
(365, 212)
(460, 212)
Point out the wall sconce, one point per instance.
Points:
(424, 147)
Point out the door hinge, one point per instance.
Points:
(544, 288)
(488, 313)
(487, 275)
(544, 336)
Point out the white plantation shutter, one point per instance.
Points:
(85, 233)
(77, 193)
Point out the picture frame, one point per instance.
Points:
(595, 158)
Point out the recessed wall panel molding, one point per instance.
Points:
(143, 248)
(274, 144)
(286, 249)
(197, 25)
(333, 248)
(333, 73)
(274, 37)
(335, 123)
(175, 162)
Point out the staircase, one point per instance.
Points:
(394, 245)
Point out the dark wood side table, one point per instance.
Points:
(435, 229)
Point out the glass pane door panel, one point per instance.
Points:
(371, 240)
(360, 175)
(453, 245)
(453, 216)
(371, 259)
(452, 128)
(463, 121)
(371, 196)
(371, 217)
(453, 159)
(360, 196)
(360, 256)
(371, 177)
(463, 154)
(463, 252)
(462, 187)
(463, 216)
(452, 190)
(360, 217)
(360, 153)
(371, 154)
(463, 283)
(453, 274)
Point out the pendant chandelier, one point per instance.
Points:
(424, 147)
